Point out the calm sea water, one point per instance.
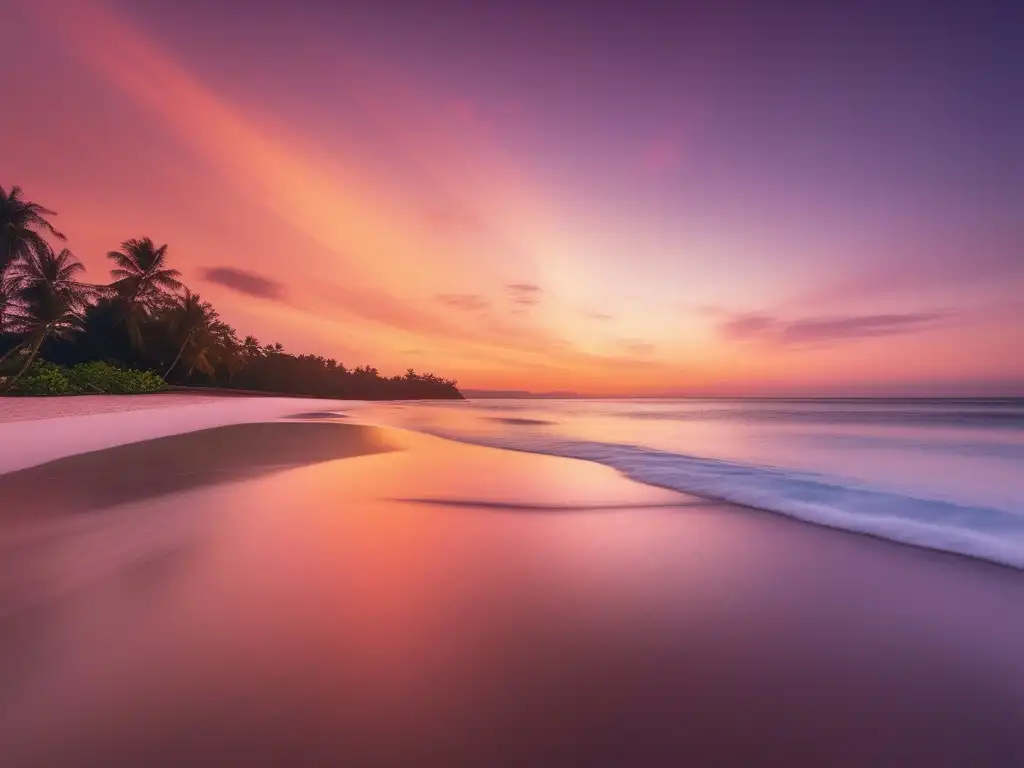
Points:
(944, 474)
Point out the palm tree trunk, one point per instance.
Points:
(5, 253)
(25, 367)
(131, 322)
(180, 352)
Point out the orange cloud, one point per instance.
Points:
(374, 245)
(335, 211)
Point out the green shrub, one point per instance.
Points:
(101, 378)
(44, 378)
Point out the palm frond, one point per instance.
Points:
(24, 222)
(168, 279)
(124, 261)
(36, 217)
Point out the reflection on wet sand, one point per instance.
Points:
(556, 508)
(166, 465)
(314, 615)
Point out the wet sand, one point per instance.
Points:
(167, 465)
(37, 430)
(280, 595)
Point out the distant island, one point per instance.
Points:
(145, 329)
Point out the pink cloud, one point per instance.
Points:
(828, 329)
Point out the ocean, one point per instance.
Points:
(946, 474)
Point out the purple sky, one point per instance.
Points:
(728, 197)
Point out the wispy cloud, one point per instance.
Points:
(245, 282)
(521, 344)
(746, 326)
(864, 326)
(637, 347)
(337, 218)
(525, 294)
(832, 329)
(469, 302)
(978, 258)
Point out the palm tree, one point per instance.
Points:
(49, 301)
(192, 320)
(22, 224)
(214, 343)
(59, 271)
(251, 347)
(222, 347)
(234, 359)
(142, 281)
(9, 286)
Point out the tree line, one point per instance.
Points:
(146, 319)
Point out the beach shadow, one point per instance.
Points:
(522, 422)
(503, 506)
(168, 465)
(313, 415)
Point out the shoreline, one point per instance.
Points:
(977, 558)
(38, 407)
(97, 430)
(383, 605)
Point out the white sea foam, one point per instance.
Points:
(977, 531)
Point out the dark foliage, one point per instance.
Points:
(147, 321)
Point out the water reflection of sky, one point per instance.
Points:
(967, 452)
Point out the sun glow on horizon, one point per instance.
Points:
(408, 218)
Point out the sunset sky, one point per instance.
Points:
(636, 198)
